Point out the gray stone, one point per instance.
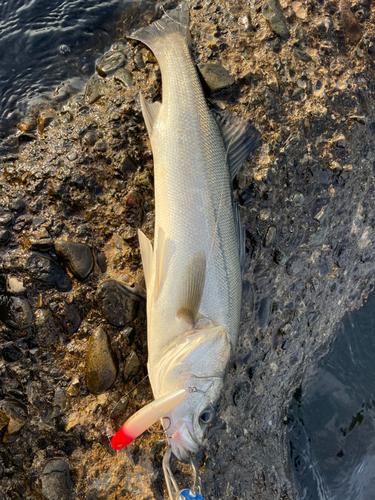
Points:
(294, 265)
(118, 302)
(110, 62)
(132, 366)
(93, 90)
(124, 77)
(76, 256)
(56, 481)
(273, 13)
(101, 367)
(216, 76)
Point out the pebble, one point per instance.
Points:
(17, 204)
(270, 236)
(40, 239)
(72, 156)
(76, 256)
(16, 312)
(134, 209)
(56, 481)
(298, 199)
(4, 236)
(11, 353)
(273, 13)
(264, 312)
(101, 146)
(47, 330)
(14, 416)
(109, 62)
(318, 237)
(280, 257)
(132, 366)
(294, 265)
(101, 369)
(216, 76)
(90, 138)
(15, 286)
(267, 98)
(124, 77)
(118, 303)
(45, 269)
(93, 90)
(37, 222)
(302, 55)
(67, 315)
(349, 25)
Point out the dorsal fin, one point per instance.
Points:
(240, 138)
(150, 112)
(161, 251)
(147, 257)
(191, 288)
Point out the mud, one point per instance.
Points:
(307, 196)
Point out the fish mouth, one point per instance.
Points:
(183, 441)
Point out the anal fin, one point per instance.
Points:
(241, 236)
(191, 290)
(147, 257)
(150, 112)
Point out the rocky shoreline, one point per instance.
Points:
(72, 306)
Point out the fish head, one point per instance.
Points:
(197, 362)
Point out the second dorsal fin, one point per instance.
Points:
(240, 138)
(191, 289)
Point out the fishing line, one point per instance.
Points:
(126, 395)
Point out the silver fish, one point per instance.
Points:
(193, 273)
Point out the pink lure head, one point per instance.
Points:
(121, 439)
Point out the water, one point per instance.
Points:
(332, 422)
(48, 49)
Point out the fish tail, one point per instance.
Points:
(173, 21)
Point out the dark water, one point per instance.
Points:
(332, 428)
(48, 49)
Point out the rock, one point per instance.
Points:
(108, 63)
(118, 303)
(72, 156)
(16, 415)
(11, 353)
(264, 312)
(298, 199)
(216, 76)
(273, 13)
(302, 55)
(4, 236)
(15, 286)
(349, 25)
(132, 366)
(67, 315)
(134, 209)
(17, 204)
(267, 98)
(101, 369)
(47, 330)
(280, 257)
(16, 312)
(40, 239)
(124, 76)
(76, 256)
(93, 90)
(101, 146)
(90, 138)
(125, 167)
(294, 265)
(56, 481)
(45, 269)
(270, 236)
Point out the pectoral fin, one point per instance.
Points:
(150, 112)
(191, 289)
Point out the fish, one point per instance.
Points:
(193, 272)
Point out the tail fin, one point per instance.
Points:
(173, 21)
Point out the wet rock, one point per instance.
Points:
(16, 312)
(124, 77)
(270, 236)
(302, 55)
(67, 315)
(349, 25)
(76, 256)
(280, 257)
(11, 353)
(264, 312)
(216, 76)
(118, 303)
(110, 62)
(273, 13)
(17, 204)
(72, 156)
(294, 265)
(4, 236)
(101, 146)
(47, 330)
(132, 366)
(56, 481)
(90, 138)
(101, 369)
(16, 415)
(46, 270)
(134, 209)
(93, 90)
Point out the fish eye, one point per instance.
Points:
(207, 416)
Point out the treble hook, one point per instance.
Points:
(173, 490)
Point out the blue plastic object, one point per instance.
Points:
(189, 495)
